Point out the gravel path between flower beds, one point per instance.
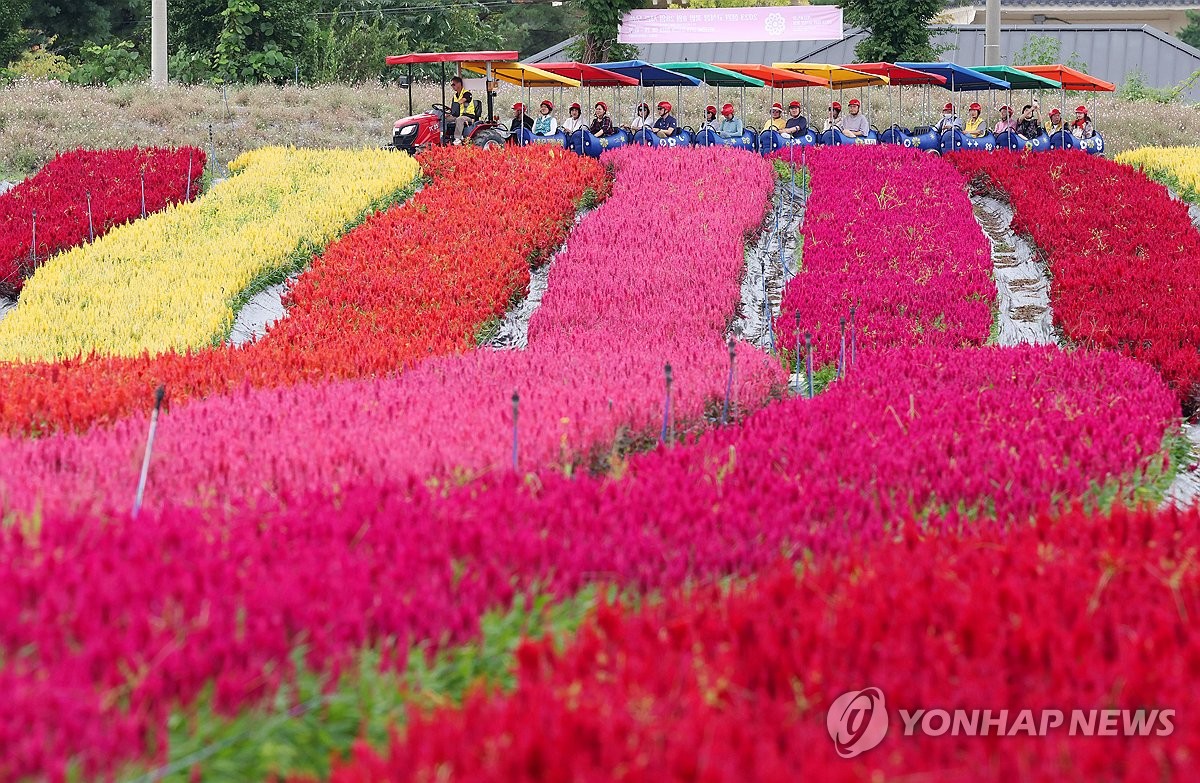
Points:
(7, 186)
(1022, 283)
(263, 309)
(768, 269)
(6, 306)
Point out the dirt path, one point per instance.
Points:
(770, 264)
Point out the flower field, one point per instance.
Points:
(1116, 244)
(1176, 167)
(371, 547)
(81, 195)
(170, 282)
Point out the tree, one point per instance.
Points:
(598, 40)
(1191, 33)
(1046, 50)
(12, 36)
(72, 23)
(896, 31)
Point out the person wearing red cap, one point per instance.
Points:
(1055, 124)
(834, 120)
(710, 119)
(775, 122)
(602, 124)
(855, 124)
(974, 125)
(797, 123)
(731, 124)
(520, 118)
(573, 122)
(949, 120)
(666, 125)
(1007, 121)
(1082, 128)
(545, 124)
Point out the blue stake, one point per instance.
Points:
(797, 365)
(841, 373)
(808, 346)
(516, 401)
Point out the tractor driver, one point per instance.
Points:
(465, 118)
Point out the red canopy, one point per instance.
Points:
(898, 76)
(775, 77)
(589, 75)
(450, 57)
(1071, 79)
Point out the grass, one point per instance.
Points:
(40, 118)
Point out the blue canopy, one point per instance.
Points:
(959, 78)
(650, 75)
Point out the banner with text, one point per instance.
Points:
(726, 25)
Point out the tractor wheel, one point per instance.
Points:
(490, 139)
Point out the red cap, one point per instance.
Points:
(518, 107)
(727, 109)
(548, 105)
(835, 105)
(664, 105)
(710, 108)
(794, 105)
(1055, 111)
(777, 107)
(1081, 110)
(975, 107)
(855, 102)
(948, 107)
(601, 105)
(1005, 106)
(576, 106)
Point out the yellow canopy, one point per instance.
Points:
(521, 75)
(839, 78)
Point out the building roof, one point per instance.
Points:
(1095, 3)
(1111, 52)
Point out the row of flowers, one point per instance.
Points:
(615, 314)
(1117, 246)
(170, 282)
(888, 232)
(1083, 613)
(83, 194)
(414, 281)
(1176, 167)
(124, 620)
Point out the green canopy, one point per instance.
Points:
(1020, 80)
(713, 75)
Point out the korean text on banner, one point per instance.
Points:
(720, 25)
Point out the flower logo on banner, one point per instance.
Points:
(774, 24)
(857, 721)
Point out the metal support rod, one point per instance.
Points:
(141, 488)
(729, 383)
(516, 401)
(91, 229)
(33, 239)
(668, 427)
(808, 362)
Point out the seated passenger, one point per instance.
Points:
(545, 124)
(1083, 128)
(855, 124)
(974, 125)
(666, 125)
(602, 124)
(1029, 126)
(949, 120)
(1056, 123)
(775, 121)
(797, 123)
(710, 120)
(572, 123)
(641, 118)
(520, 118)
(1007, 121)
(834, 120)
(731, 125)
(466, 116)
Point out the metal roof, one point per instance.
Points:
(1112, 52)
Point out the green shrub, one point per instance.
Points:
(109, 64)
(40, 63)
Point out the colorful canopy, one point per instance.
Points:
(589, 75)
(897, 76)
(777, 78)
(649, 75)
(959, 78)
(450, 57)
(521, 74)
(1018, 79)
(713, 75)
(1069, 78)
(835, 76)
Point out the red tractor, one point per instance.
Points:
(436, 126)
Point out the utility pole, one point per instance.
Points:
(991, 33)
(158, 43)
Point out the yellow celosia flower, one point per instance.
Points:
(169, 281)
(1177, 167)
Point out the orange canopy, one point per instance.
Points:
(1071, 79)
